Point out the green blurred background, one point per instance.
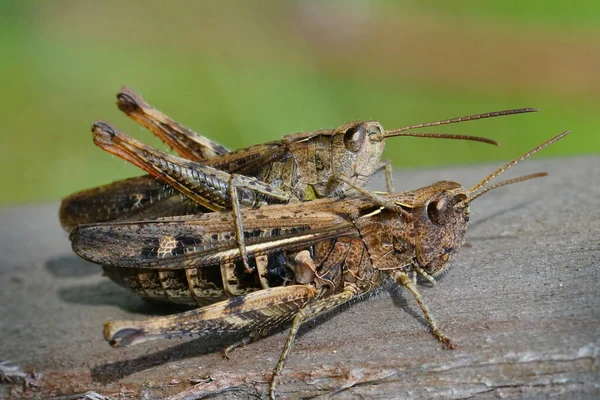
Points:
(250, 71)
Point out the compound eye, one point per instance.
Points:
(355, 137)
(440, 210)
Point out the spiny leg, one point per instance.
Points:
(425, 275)
(310, 311)
(205, 185)
(407, 282)
(237, 220)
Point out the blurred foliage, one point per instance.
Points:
(251, 71)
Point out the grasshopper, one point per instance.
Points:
(304, 163)
(308, 262)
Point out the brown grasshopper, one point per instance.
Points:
(307, 262)
(303, 165)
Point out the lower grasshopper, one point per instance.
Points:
(307, 262)
(303, 166)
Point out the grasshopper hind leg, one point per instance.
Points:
(262, 310)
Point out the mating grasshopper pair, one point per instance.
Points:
(300, 167)
(295, 263)
(307, 262)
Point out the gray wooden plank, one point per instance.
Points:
(521, 302)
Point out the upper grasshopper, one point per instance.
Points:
(303, 164)
(307, 261)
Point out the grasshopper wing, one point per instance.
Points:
(207, 239)
(251, 160)
(130, 199)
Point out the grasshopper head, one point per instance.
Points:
(357, 149)
(440, 224)
(441, 213)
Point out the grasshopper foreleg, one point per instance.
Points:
(386, 166)
(241, 343)
(405, 280)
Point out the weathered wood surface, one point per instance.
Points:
(522, 302)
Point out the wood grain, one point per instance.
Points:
(522, 303)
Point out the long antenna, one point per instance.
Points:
(517, 160)
(504, 183)
(443, 136)
(394, 132)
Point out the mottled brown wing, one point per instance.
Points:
(137, 198)
(208, 239)
(251, 160)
